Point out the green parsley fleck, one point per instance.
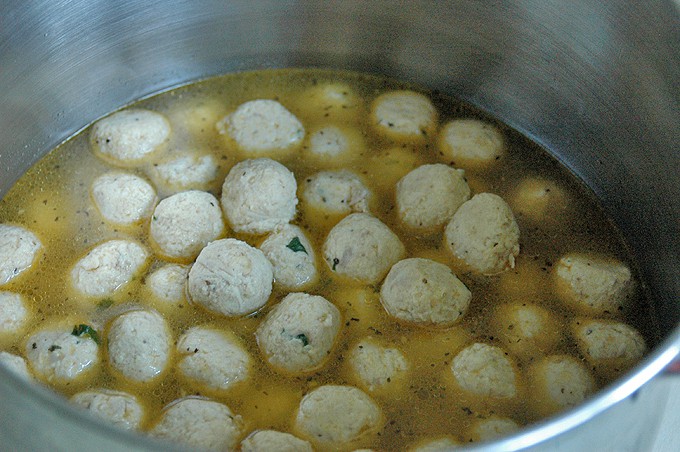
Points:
(296, 246)
(302, 337)
(54, 347)
(336, 261)
(105, 303)
(86, 330)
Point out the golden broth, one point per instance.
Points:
(53, 200)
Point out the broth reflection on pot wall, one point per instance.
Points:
(600, 108)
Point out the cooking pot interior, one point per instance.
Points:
(595, 83)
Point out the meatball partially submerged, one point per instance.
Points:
(18, 250)
(362, 247)
(299, 333)
(231, 278)
(199, 423)
(335, 415)
(259, 195)
(424, 291)
(483, 234)
(128, 137)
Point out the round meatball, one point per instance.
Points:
(331, 145)
(491, 428)
(424, 291)
(60, 357)
(611, 347)
(375, 365)
(18, 250)
(538, 199)
(485, 370)
(445, 444)
(139, 345)
(108, 267)
(13, 313)
(15, 364)
(122, 198)
(271, 440)
(168, 283)
(119, 408)
(483, 233)
(259, 195)
(559, 382)
(361, 247)
(127, 137)
(231, 278)
(404, 115)
(184, 223)
(262, 125)
(212, 358)
(337, 414)
(199, 423)
(336, 192)
(428, 196)
(525, 329)
(471, 142)
(292, 257)
(331, 101)
(298, 333)
(593, 284)
(186, 172)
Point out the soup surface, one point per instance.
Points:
(502, 342)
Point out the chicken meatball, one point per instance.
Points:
(127, 137)
(262, 125)
(168, 283)
(108, 267)
(139, 345)
(485, 370)
(122, 198)
(404, 116)
(428, 196)
(445, 444)
(491, 428)
(119, 408)
(336, 192)
(187, 172)
(335, 415)
(539, 199)
(231, 278)
(15, 364)
(593, 284)
(361, 247)
(559, 382)
(292, 257)
(331, 101)
(212, 358)
(525, 329)
(18, 250)
(375, 365)
(259, 195)
(199, 423)
(332, 145)
(60, 357)
(483, 234)
(271, 440)
(298, 333)
(424, 291)
(611, 347)
(13, 313)
(186, 222)
(471, 142)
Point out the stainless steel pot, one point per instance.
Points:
(595, 82)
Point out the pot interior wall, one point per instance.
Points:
(595, 82)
